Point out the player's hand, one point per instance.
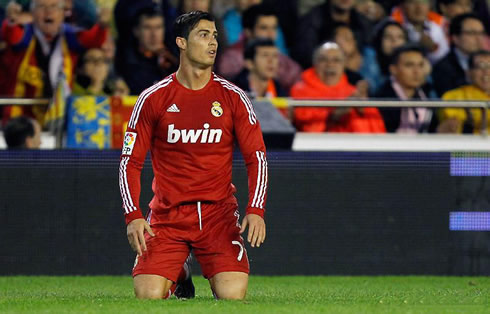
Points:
(256, 229)
(136, 235)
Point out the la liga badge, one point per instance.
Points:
(129, 140)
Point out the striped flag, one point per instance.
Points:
(54, 118)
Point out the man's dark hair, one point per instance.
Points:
(17, 130)
(251, 48)
(146, 12)
(251, 15)
(456, 26)
(404, 49)
(185, 23)
(474, 55)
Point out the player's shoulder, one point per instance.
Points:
(228, 86)
(158, 89)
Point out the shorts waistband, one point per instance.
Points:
(195, 203)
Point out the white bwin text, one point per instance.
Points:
(205, 135)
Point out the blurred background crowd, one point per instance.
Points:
(303, 49)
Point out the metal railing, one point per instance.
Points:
(383, 103)
(24, 101)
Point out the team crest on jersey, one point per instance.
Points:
(216, 109)
(129, 139)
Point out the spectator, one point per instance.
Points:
(466, 120)
(315, 27)
(259, 21)
(261, 67)
(149, 61)
(21, 8)
(287, 14)
(186, 6)
(467, 36)
(357, 65)
(388, 36)
(80, 13)
(452, 8)
(424, 27)
(482, 9)
(125, 18)
(93, 76)
(408, 71)
(40, 54)
(22, 133)
(232, 24)
(232, 19)
(371, 9)
(327, 80)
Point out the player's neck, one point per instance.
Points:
(193, 77)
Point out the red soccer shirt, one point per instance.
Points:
(191, 135)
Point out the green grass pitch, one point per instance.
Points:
(105, 294)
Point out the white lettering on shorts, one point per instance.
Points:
(240, 255)
(135, 262)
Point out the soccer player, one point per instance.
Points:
(190, 121)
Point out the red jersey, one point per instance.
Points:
(191, 134)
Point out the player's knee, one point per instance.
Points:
(149, 293)
(151, 287)
(232, 295)
(233, 292)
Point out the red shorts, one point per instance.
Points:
(218, 246)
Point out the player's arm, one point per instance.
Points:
(251, 142)
(137, 141)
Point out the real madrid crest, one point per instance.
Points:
(216, 109)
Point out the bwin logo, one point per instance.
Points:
(205, 135)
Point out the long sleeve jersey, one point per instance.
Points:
(191, 134)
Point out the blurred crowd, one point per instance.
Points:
(310, 49)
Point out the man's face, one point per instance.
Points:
(266, 62)
(150, 33)
(393, 37)
(48, 15)
(409, 71)
(472, 37)
(202, 44)
(456, 8)
(329, 65)
(480, 73)
(344, 5)
(266, 27)
(416, 11)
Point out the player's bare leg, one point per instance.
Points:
(229, 285)
(151, 286)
